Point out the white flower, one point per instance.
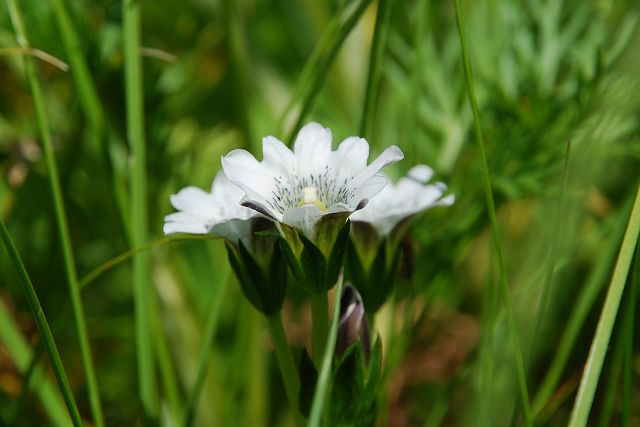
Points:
(410, 195)
(299, 187)
(218, 212)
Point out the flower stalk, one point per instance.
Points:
(320, 318)
(287, 367)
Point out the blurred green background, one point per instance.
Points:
(221, 74)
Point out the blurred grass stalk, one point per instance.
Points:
(504, 281)
(20, 352)
(322, 386)
(584, 302)
(43, 325)
(138, 193)
(316, 69)
(600, 343)
(61, 218)
(89, 101)
(380, 32)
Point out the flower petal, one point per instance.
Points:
(193, 199)
(303, 218)
(369, 189)
(420, 173)
(252, 177)
(277, 156)
(312, 149)
(182, 222)
(390, 155)
(350, 157)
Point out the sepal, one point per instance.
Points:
(263, 284)
(374, 279)
(314, 269)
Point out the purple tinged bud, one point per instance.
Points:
(353, 324)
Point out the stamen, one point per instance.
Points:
(310, 197)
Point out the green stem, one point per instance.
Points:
(504, 281)
(165, 365)
(118, 259)
(600, 343)
(135, 135)
(378, 44)
(320, 316)
(288, 368)
(79, 69)
(205, 354)
(316, 73)
(256, 374)
(627, 386)
(61, 219)
(322, 387)
(585, 301)
(43, 326)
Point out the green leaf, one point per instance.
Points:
(347, 386)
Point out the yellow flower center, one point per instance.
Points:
(310, 197)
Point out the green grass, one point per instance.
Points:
(506, 301)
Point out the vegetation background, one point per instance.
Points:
(558, 94)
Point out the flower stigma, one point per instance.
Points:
(310, 197)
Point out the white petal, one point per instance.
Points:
(421, 173)
(277, 156)
(390, 155)
(350, 157)
(369, 189)
(252, 177)
(312, 148)
(192, 199)
(181, 223)
(303, 218)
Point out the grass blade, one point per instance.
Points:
(205, 354)
(138, 192)
(375, 64)
(43, 326)
(599, 345)
(19, 351)
(317, 68)
(61, 219)
(322, 387)
(627, 386)
(504, 281)
(585, 301)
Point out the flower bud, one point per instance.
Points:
(353, 325)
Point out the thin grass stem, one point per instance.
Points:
(119, 259)
(629, 332)
(504, 281)
(165, 364)
(86, 88)
(376, 56)
(256, 373)
(287, 366)
(27, 360)
(316, 74)
(142, 290)
(205, 354)
(585, 301)
(322, 386)
(600, 343)
(43, 326)
(61, 219)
